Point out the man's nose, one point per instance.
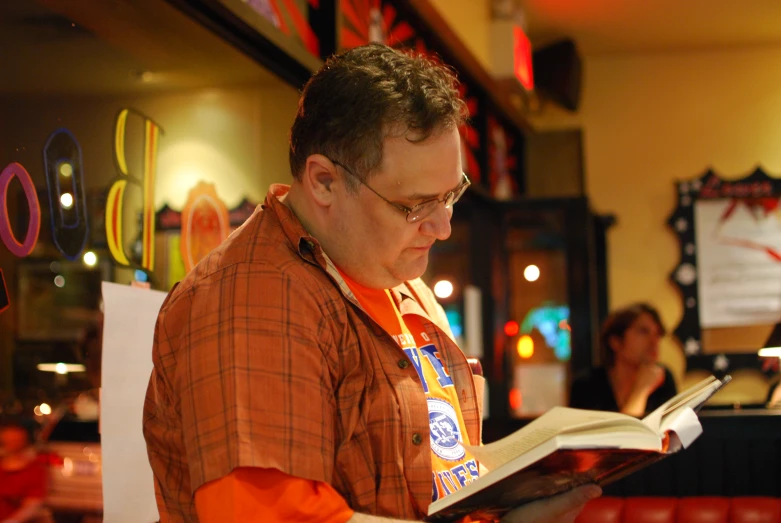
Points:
(438, 223)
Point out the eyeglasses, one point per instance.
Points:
(423, 209)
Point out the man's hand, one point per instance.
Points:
(563, 508)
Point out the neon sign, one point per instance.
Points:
(65, 178)
(116, 195)
(17, 248)
(64, 175)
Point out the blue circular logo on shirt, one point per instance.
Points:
(445, 432)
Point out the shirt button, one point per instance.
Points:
(417, 439)
(403, 364)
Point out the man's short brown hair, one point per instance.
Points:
(361, 96)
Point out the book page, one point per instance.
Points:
(654, 419)
(558, 420)
(685, 424)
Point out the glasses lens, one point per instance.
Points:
(422, 210)
(456, 195)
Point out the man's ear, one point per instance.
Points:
(318, 177)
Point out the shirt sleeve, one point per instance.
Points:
(256, 382)
(269, 496)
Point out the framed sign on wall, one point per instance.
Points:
(729, 272)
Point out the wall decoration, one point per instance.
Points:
(268, 9)
(502, 161)
(169, 219)
(5, 301)
(25, 247)
(241, 212)
(67, 201)
(176, 268)
(365, 21)
(739, 268)
(170, 227)
(471, 138)
(552, 321)
(293, 18)
(116, 195)
(729, 271)
(205, 224)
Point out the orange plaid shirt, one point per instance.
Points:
(264, 358)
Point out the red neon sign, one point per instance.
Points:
(522, 58)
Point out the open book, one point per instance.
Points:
(565, 448)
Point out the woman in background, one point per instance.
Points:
(23, 476)
(632, 381)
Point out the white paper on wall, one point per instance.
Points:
(738, 271)
(129, 320)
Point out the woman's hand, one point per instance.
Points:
(649, 377)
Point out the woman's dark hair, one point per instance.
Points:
(618, 322)
(361, 96)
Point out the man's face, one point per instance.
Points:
(377, 247)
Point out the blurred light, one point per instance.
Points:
(59, 281)
(53, 367)
(66, 169)
(141, 276)
(94, 458)
(61, 368)
(516, 399)
(454, 319)
(443, 289)
(511, 328)
(67, 467)
(37, 410)
(525, 347)
(90, 259)
(66, 200)
(531, 273)
(563, 325)
(54, 266)
(770, 352)
(45, 409)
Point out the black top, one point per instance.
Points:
(592, 390)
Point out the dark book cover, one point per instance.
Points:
(555, 473)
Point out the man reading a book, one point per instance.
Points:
(302, 371)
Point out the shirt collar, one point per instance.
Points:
(309, 248)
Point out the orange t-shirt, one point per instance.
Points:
(452, 466)
(270, 495)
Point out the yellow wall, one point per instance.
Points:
(471, 21)
(652, 119)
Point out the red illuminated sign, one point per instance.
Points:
(522, 59)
